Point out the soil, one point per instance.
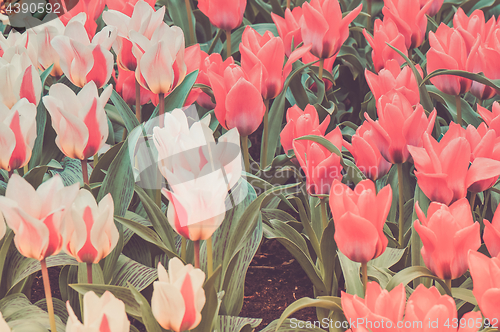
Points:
(274, 280)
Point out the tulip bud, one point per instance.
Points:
(225, 15)
(178, 296)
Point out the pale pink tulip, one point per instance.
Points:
(178, 296)
(36, 216)
(17, 43)
(79, 120)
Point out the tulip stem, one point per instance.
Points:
(324, 217)
(183, 248)
(265, 136)
(364, 272)
(214, 42)
(486, 199)
(401, 205)
(25, 169)
(246, 157)
(197, 254)
(89, 273)
(162, 108)
(11, 172)
(48, 295)
(458, 103)
(321, 65)
(369, 17)
(138, 113)
(190, 22)
(288, 4)
(96, 159)
(210, 263)
(85, 172)
(448, 283)
(228, 44)
(472, 202)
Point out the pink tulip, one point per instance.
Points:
(90, 232)
(399, 126)
(225, 15)
(473, 27)
(125, 86)
(196, 59)
(359, 216)
(104, 314)
(301, 123)
(289, 28)
(36, 216)
(17, 43)
(366, 153)
(434, 8)
(214, 63)
(19, 79)
(91, 8)
(269, 52)
(17, 134)
(491, 235)
(81, 60)
(491, 118)
(178, 296)
(323, 26)
(484, 272)
(483, 61)
(409, 18)
(320, 165)
(126, 6)
(238, 99)
(160, 60)
(393, 78)
(79, 120)
(384, 32)
(447, 233)
(377, 306)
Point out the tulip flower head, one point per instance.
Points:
(19, 43)
(473, 27)
(491, 235)
(178, 296)
(447, 233)
(359, 216)
(126, 6)
(36, 217)
(491, 118)
(225, 15)
(433, 8)
(125, 86)
(79, 120)
(106, 313)
(289, 28)
(90, 230)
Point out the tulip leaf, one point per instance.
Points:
(147, 315)
(388, 258)
(130, 271)
(178, 96)
(122, 293)
(306, 223)
(350, 270)
(103, 163)
(97, 276)
(5, 249)
(464, 295)
(330, 303)
(328, 249)
(71, 172)
(129, 118)
(60, 309)
(35, 175)
(110, 260)
(380, 274)
(41, 120)
(411, 273)
(416, 243)
(478, 77)
(212, 303)
(236, 324)
(178, 13)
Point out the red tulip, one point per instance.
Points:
(426, 306)
(125, 86)
(378, 306)
(239, 103)
(126, 6)
(443, 171)
(434, 7)
(491, 235)
(224, 14)
(384, 32)
(359, 216)
(447, 233)
(301, 123)
(492, 118)
(484, 272)
(409, 18)
(473, 27)
(393, 78)
(268, 52)
(448, 51)
(289, 28)
(399, 126)
(323, 26)
(366, 153)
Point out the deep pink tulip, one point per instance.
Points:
(484, 61)
(384, 32)
(126, 6)
(320, 165)
(268, 52)
(448, 51)
(301, 123)
(484, 272)
(224, 14)
(473, 27)
(36, 217)
(366, 153)
(491, 235)
(393, 78)
(289, 28)
(447, 233)
(213, 63)
(238, 100)
(323, 26)
(359, 216)
(434, 7)
(409, 18)
(399, 126)
(92, 10)
(377, 306)
(125, 86)
(492, 118)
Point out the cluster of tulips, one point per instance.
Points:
(404, 143)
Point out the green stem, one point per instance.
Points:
(210, 263)
(448, 283)
(96, 160)
(190, 22)
(48, 295)
(197, 254)
(472, 202)
(401, 205)
(364, 272)
(183, 248)
(458, 104)
(265, 136)
(138, 113)
(228, 44)
(85, 172)
(480, 102)
(89, 273)
(161, 112)
(324, 217)
(321, 65)
(369, 17)
(486, 199)
(246, 157)
(214, 42)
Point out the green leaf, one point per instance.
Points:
(130, 271)
(147, 315)
(390, 257)
(129, 118)
(71, 172)
(328, 249)
(35, 175)
(41, 120)
(416, 243)
(480, 78)
(60, 309)
(178, 13)
(411, 273)
(145, 233)
(464, 295)
(97, 276)
(236, 324)
(350, 269)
